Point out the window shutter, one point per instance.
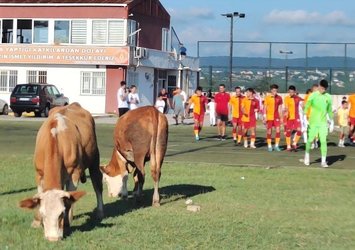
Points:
(116, 32)
(99, 32)
(78, 31)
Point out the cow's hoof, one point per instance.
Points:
(100, 214)
(36, 224)
(156, 204)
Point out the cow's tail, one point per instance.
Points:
(161, 140)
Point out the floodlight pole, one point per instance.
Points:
(231, 16)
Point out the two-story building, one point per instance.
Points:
(87, 47)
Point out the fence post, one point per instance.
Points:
(210, 76)
(330, 80)
(286, 76)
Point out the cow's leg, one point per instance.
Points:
(96, 179)
(139, 179)
(155, 164)
(36, 223)
(71, 185)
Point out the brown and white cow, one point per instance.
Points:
(65, 146)
(140, 135)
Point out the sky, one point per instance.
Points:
(267, 21)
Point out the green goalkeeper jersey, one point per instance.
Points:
(321, 105)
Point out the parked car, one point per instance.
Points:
(4, 107)
(37, 98)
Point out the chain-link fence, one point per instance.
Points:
(260, 64)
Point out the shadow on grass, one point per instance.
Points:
(18, 191)
(332, 159)
(168, 194)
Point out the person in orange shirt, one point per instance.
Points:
(235, 104)
(250, 105)
(292, 115)
(351, 102)
(199, 110)
(272, 115)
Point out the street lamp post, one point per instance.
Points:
(231, 16)
(286, 53)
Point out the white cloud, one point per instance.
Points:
(303, 17)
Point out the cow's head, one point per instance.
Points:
(115, 175)
(52, 206)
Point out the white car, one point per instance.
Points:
(4, 107)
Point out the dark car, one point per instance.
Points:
(37, 98)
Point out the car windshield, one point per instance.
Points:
(27, 89)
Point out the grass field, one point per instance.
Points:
(249, 198)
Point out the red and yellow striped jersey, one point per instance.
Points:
(236, 103)
(292, 106)
(248, 107)
(199, 103)
(272, 105)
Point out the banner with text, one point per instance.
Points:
(46, 54)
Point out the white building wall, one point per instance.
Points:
(67, 80)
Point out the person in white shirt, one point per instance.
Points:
(133, 98)
(212, 110)
(122, 99)
(184, 101)
(160, 103)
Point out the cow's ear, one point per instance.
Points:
(30, 203)
(104, 169)
(74, 196)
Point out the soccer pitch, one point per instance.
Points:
(249, 198)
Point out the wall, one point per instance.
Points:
(67, 80)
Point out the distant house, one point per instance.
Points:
(86, 48)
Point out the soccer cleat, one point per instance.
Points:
(246, 144)
(219, 138)
(276, 148)
(288, 149)
(252, 145)
(269, 149)
(324, 165)
(223, 138)
(235, 142)
(197, 138)
(294, 148)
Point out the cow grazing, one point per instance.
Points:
(65, 147)
(140, 135)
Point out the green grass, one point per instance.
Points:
(279, 204)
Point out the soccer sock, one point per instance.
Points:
(234, 133)
(324, 159)
(277, 139)
(306, 157)
(252, 139)
(297, 137)
(196, 130)
(288, 139)
(239, 138)
(240, 134)
(268, 140)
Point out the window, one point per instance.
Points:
(7, 31)
(40, 34)
(165, 39)
(61, 32)
(99, 31)
(132, 36)
(24, 31)
(93, 83)
(116, 32)
(8, 80)
(36, 76)
(78, 31)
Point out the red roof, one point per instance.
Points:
(68, 1)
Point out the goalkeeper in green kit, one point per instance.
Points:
(320, 118)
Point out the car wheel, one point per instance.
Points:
(46, 111)
(38, 114)
(17, 113)
(5, 110)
